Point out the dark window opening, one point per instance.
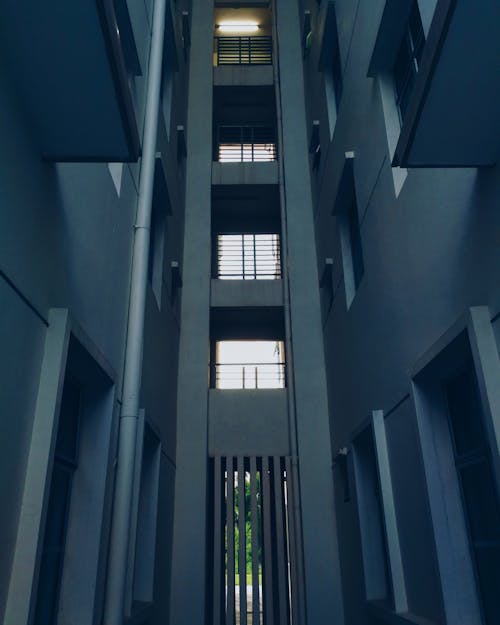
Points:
(378, 581)
(477, 485)
(358, 267)
(336, 70)
(408, 60)
(65, 465)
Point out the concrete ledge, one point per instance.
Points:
(386, 615)
(244, 173)
(243, 75)
(238, 418)
(246, 293)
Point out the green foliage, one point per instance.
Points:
(248, 525)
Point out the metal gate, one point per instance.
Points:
(253, 554)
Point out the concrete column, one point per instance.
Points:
(189, 539)
(321, 560)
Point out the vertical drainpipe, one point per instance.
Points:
(120, 523)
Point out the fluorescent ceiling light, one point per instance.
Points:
(238, 27)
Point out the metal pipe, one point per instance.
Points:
(120, 523)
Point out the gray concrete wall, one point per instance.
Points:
(246, 293)
(244, 173)
(321, 564)
(235, 75)
(248, 423)
(65, 241)
(430, 247)
(22, 338)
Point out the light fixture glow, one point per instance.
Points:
(238, 27)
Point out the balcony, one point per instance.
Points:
(243, 45)
(246, 247)
(248, 379)
(458, 74)
(69, 62)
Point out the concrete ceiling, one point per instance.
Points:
(243, 14)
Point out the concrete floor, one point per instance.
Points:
(249, 605)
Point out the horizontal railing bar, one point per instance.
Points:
(250, 364)
(250, 375)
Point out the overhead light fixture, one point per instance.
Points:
(238, 27)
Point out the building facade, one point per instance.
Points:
(250, 313)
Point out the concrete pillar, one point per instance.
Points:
(321, 559)
(189, 539)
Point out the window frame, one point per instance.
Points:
(472, 334)
(330, 63)
(389, 549)
(67, 349)
(412, 45)
(146, 436)
(67, 465)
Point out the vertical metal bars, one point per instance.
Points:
(281, 559)
(219, 533)
(268, 543)
(242, 564)
(292, 545)
(254, 522)
(264, 524)
(230, 608)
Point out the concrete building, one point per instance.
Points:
(250, 312)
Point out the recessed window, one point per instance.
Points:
(346, 208)
(352, 249)
(371, 519)
(248, 257)
(167, 93)
(358, 267)
(156, 252)
(333, 71)
(477, 484)
(147, 512)
(54, 542)
(454, 394)
(408, 60)
(249, 364)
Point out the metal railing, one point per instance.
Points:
(250, 375)
(248, 257)
(244, 50)
(246, 144)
